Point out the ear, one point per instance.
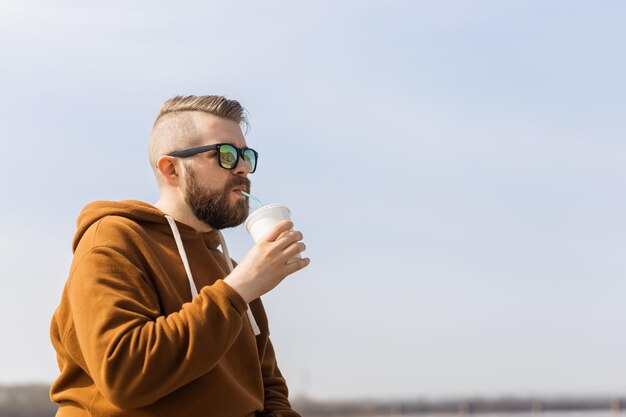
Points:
(169, 169)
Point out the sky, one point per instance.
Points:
(457, 169)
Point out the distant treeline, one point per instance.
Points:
(33, 401)
(26, 401)
(311, 408)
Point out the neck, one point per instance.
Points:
(181, 212)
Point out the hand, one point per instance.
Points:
(265, 265)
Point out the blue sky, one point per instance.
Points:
(457, 169)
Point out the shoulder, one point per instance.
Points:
(114, 251)
(116, 232)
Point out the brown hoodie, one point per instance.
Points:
(129, 339)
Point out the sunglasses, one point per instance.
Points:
(228, 155)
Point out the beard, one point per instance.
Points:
(214, 207)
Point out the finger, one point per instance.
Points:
(288, 238)
(297, 265)
(283, 234)
(294, 249)
(276, 230)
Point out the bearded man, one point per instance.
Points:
(154, 320)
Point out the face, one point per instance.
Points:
(211, 191)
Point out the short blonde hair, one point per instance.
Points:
(216, 105)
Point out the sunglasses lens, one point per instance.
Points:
(250, 158)
(228, 156)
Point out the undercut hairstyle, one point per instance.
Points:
(215, 105)
(176, 125)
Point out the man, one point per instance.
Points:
(153, 321)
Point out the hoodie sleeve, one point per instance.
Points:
(135, 356)
(276, 402)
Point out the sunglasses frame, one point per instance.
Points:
(185, 153)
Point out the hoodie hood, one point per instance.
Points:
(137, 211)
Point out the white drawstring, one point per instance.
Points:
(183, 255)
(255, 327)
(192, 284)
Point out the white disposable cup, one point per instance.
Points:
(263, 219)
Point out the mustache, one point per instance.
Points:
(235, 181)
